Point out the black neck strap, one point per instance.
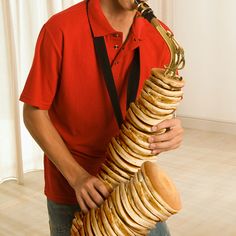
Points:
(104, 63)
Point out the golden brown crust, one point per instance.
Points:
(166, 106)
(94, 224)
(117, 169)
(131, 152)
(107, 178)
(150, 114)
(150, 197)
(139, 203)
(160, 83)
(130, 116)
(119, 226)
(105, 215)
(112, 174)
(164, 91)
(160, 97)
(121, 162)
(129, 215)
(148, 202)
(135, 147)
(142, 116)
(132, 160)
(161, 186)
(99, 222)
(156, 110)
(135, 135)
(74, 231)
(147, 221)
(176, 82)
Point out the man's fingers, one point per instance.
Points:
(88, 200)
(158, 151)
(92, 194)
(172, 133)
(82, 205)
(95, 195)
(167, 124)
(101, 187)
(166, 144)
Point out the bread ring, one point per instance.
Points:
(160, 97)
(176, 82)
(157, 103)
(164, 91)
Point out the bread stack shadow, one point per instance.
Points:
(139, 199)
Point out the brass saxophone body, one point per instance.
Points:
(135, 206)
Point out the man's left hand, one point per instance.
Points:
(169, 140)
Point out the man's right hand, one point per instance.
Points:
(90, 192)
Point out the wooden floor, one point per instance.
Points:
(204, 170)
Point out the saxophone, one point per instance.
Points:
(142, 193)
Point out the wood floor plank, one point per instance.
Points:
(203, 169)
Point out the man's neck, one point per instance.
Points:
(120, 19)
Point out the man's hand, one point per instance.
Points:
(90, 192)
(169, 140)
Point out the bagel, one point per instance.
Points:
(148, 113)
(121, 227)
(156, 102)
(112, 174)
(135, 147)
(87, 225)
(138, 123)
(142, 116)
(121, 162)
(106, 178)
(155, 110)
(149, 222)
(117, 169)
(133, 220)
(162, 84)
(106, 219)
(151, 198)
(135, 136)
(99, 222)
(161, 187)
(94, 224)
(176, 81)
(139, 203)
(164, 91)
(130, 151)
(120, 210)
(160, 97)
(148, 202)
(127, 157)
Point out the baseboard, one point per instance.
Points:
(208, 125)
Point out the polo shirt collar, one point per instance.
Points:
(102, 27)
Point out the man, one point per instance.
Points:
(67, 108)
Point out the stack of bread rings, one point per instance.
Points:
(134, 207)
(158, 101)
(127, 152)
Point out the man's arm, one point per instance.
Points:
(89, 190)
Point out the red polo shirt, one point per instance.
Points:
(65, 79)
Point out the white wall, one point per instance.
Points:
(207, 31)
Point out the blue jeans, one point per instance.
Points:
(61, 216)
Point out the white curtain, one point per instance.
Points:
(20, 22)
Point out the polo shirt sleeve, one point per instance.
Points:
(41, 85)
